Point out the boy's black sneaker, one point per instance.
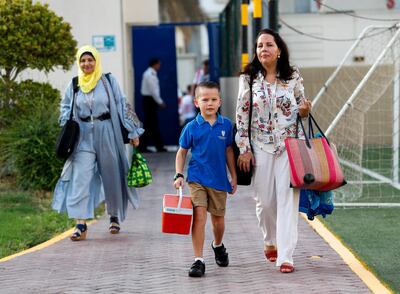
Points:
(197, 269)
(221, 256)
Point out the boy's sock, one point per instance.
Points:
(199, 258)
(215, 245)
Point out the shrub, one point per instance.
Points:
(27, 144)
(31, 37)
(22, 99)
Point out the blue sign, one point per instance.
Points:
(104, 43)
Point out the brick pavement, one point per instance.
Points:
(143, 260)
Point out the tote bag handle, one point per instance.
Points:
(180, 193)
(310, 135)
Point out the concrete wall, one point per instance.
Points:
(102, 17)
(296, 6)
(87, 19)
(138, 12)
(229, 93)
(135, 12)
(378, 123)
(309, 52)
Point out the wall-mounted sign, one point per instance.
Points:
(104, 42)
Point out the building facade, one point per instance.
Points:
(105, 24)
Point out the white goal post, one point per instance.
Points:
(359, 107)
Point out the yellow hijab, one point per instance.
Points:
(87, 82)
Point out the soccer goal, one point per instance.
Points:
(359, 107)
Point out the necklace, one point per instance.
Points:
(89, 100)
(272, 81)
(271, 94)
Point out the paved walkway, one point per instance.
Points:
(143, 260)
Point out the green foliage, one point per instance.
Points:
(19, 99)
(27, 143)
(32, 36)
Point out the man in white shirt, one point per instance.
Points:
(150, 90)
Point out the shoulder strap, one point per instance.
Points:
(108, 77)
(105, 84)
(75, 84)
(75, 87)
(251, 109)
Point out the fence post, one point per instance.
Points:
(257, 15)
(273, 15)
(245, 22)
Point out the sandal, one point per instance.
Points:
(286, 268)
(271, 254)
(80, 232)
(114, 225)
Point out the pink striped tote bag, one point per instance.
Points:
(314, 163)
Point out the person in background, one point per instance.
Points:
(278, 97)
(187, 110)
(209, 137)
(97, 168)
(152, 101)
(201, 75)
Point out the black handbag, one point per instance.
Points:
(124, 131)
(244, 178)
(69, 134)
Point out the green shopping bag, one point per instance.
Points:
(139, 174)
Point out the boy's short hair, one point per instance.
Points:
(208, 85)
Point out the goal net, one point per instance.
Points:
(358, 107)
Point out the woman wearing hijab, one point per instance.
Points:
(97, 169)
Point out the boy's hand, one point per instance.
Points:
(234, 187)
(178, 183)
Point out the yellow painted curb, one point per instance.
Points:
(44, 244)
(373, 283)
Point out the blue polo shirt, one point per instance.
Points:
(208, 144)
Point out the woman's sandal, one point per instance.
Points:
(286, 268)
(271, 254)
(80, 232)
(114, 225)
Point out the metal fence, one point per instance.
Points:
(230, 39)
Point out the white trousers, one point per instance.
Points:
(277, 204)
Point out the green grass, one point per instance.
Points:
(372, 193)
(377, 159)
(373, 234)
(26, 221)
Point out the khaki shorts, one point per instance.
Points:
(214, 200)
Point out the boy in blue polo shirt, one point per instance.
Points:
(209, 136)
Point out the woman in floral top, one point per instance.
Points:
(278, 96)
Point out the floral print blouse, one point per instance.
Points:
(275, 108)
